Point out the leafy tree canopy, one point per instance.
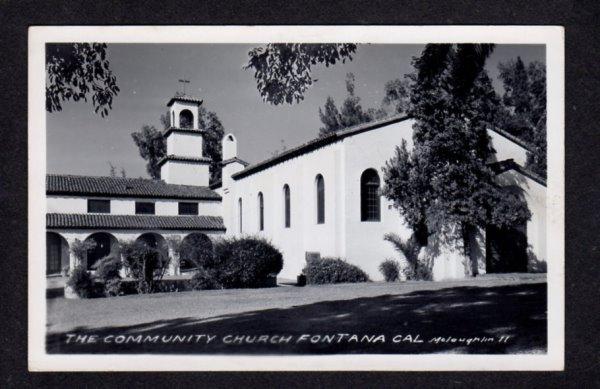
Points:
(152, 148)
(524, 110)
(283, 70)
(445, 181)
(75, 72)
(349, 114)
(396, 94)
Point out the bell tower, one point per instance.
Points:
(184, 163)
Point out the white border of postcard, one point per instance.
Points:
(551, 36)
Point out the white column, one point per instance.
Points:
(173, 269)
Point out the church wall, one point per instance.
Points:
(343, 234)
(304, 234)
(365, 246)
(507, 149)
(126, 206)
(185, 173)
(184, 145)
(67, 204)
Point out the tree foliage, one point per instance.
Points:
(212, 146)
(76, 71)
(524, 112)
(396, 94)
(145, 264)
(445, 181)
(80, 248)
(349, 114)
(330, 117)
(283, 70)
(152, 148)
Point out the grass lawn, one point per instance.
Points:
(480, 307)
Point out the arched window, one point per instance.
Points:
(186, 119)
(240, 212)
(286, 205)
(369, 196)
(320, 183)
(261, 212)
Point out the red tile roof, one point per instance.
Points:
(185, 99)
(125, 187)
(137, 222)
(316, 144)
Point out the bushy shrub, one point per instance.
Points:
(112, 287)
(80, 248)
(390, 270)
(332, 271)
(244, 262)
(108, 273)
(418, 272)
(145, 264)
(82, 283)
(108, 267)
(204, 279)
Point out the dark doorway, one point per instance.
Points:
(56, 247)
(195, 250)
(506, 249)
(102, 249)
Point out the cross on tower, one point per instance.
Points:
(183, 82)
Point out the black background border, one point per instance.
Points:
(581, 20)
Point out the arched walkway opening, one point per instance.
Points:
(155, 241)
(57, 253)
(196, 248)
(106, 244)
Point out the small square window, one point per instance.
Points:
(98, 206)
(188, 209)
(144, 208)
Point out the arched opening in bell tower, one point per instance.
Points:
(186, 119)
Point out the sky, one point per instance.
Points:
(81, 142)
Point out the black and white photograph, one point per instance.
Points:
(296, 198)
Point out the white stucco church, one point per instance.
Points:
(318, 199)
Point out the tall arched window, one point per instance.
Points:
(286, 205)
(370, 201)
(240, 213)
(320, 183)
(186, 119)
(261, 212)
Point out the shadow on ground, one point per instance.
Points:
(517, 311)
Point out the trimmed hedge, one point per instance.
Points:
(332, 271)
(205, 280)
